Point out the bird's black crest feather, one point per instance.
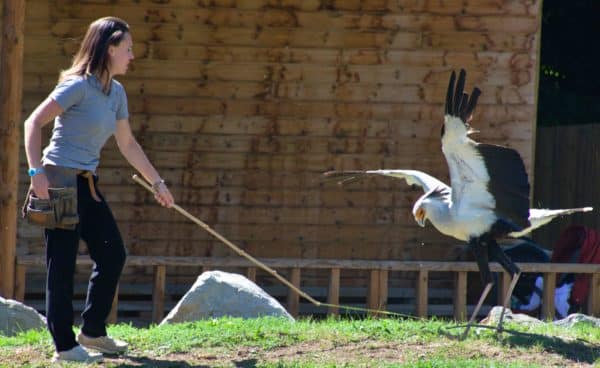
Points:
(459, 103)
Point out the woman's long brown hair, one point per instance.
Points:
(92, 57)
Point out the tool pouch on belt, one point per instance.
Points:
(60, 211)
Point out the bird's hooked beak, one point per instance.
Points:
(420, 217)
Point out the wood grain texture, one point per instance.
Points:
(241, 105)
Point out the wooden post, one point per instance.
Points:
(383, 290)
(293, 298)
(112, 317)
(548, 295)
(594, 297)
(158, 294)
(504, 283)
(460, 295)
(333, 294)
(373, 290)
(11, 86)
(422, 296)
(20, 283)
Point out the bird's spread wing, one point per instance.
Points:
(412, 177)
(482, 176)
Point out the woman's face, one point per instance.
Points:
(120, 55)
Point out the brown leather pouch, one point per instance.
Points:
(65, 207)
(60, 211)
(38, 211)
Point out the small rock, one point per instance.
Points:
(16, 317)
(494, 316)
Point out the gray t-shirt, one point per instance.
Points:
(88, 120)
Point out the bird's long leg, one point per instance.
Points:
(495, 252)
(481, 255)
(484, 295)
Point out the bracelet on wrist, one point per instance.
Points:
(157, 185)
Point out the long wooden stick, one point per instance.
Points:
(235, 248)
(263, 266)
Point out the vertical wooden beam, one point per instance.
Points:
(373, 290)
(503, 284)
(11, 86)
(333, 293)
(460, 295)
(158, 293)
(112, 317)
(594, 297)
(251, 274)
(383, 290)
(548, 295)
(293, 298)
(422, 293)
(20, 283)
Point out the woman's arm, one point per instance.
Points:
(134, 154)
(42, 115)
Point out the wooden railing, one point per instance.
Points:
(377, 290)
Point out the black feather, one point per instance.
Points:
(466, 113)
(460, 87)
(440, 193)
(508, 183)
(459, 103)
(450, 93)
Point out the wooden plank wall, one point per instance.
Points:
(242, 104)
(567, 171)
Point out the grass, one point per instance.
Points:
(270, 342)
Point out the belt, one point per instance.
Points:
(90, 179)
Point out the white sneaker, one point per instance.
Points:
(77, 354)
(103, 344)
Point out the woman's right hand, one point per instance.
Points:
(39, 184)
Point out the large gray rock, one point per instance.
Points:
(16, 317)
(576, 318)
(217, 294)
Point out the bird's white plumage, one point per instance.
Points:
(439, 208)
(472, 207)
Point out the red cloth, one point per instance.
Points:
(586, 241)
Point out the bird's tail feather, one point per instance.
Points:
(540, 217)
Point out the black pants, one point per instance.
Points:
(97, 227)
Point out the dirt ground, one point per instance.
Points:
(361, 353)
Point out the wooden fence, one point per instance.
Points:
(377, 290)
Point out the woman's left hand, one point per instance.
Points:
(163, 195)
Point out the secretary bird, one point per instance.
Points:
(488, 198)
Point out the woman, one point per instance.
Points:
(87, 106)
